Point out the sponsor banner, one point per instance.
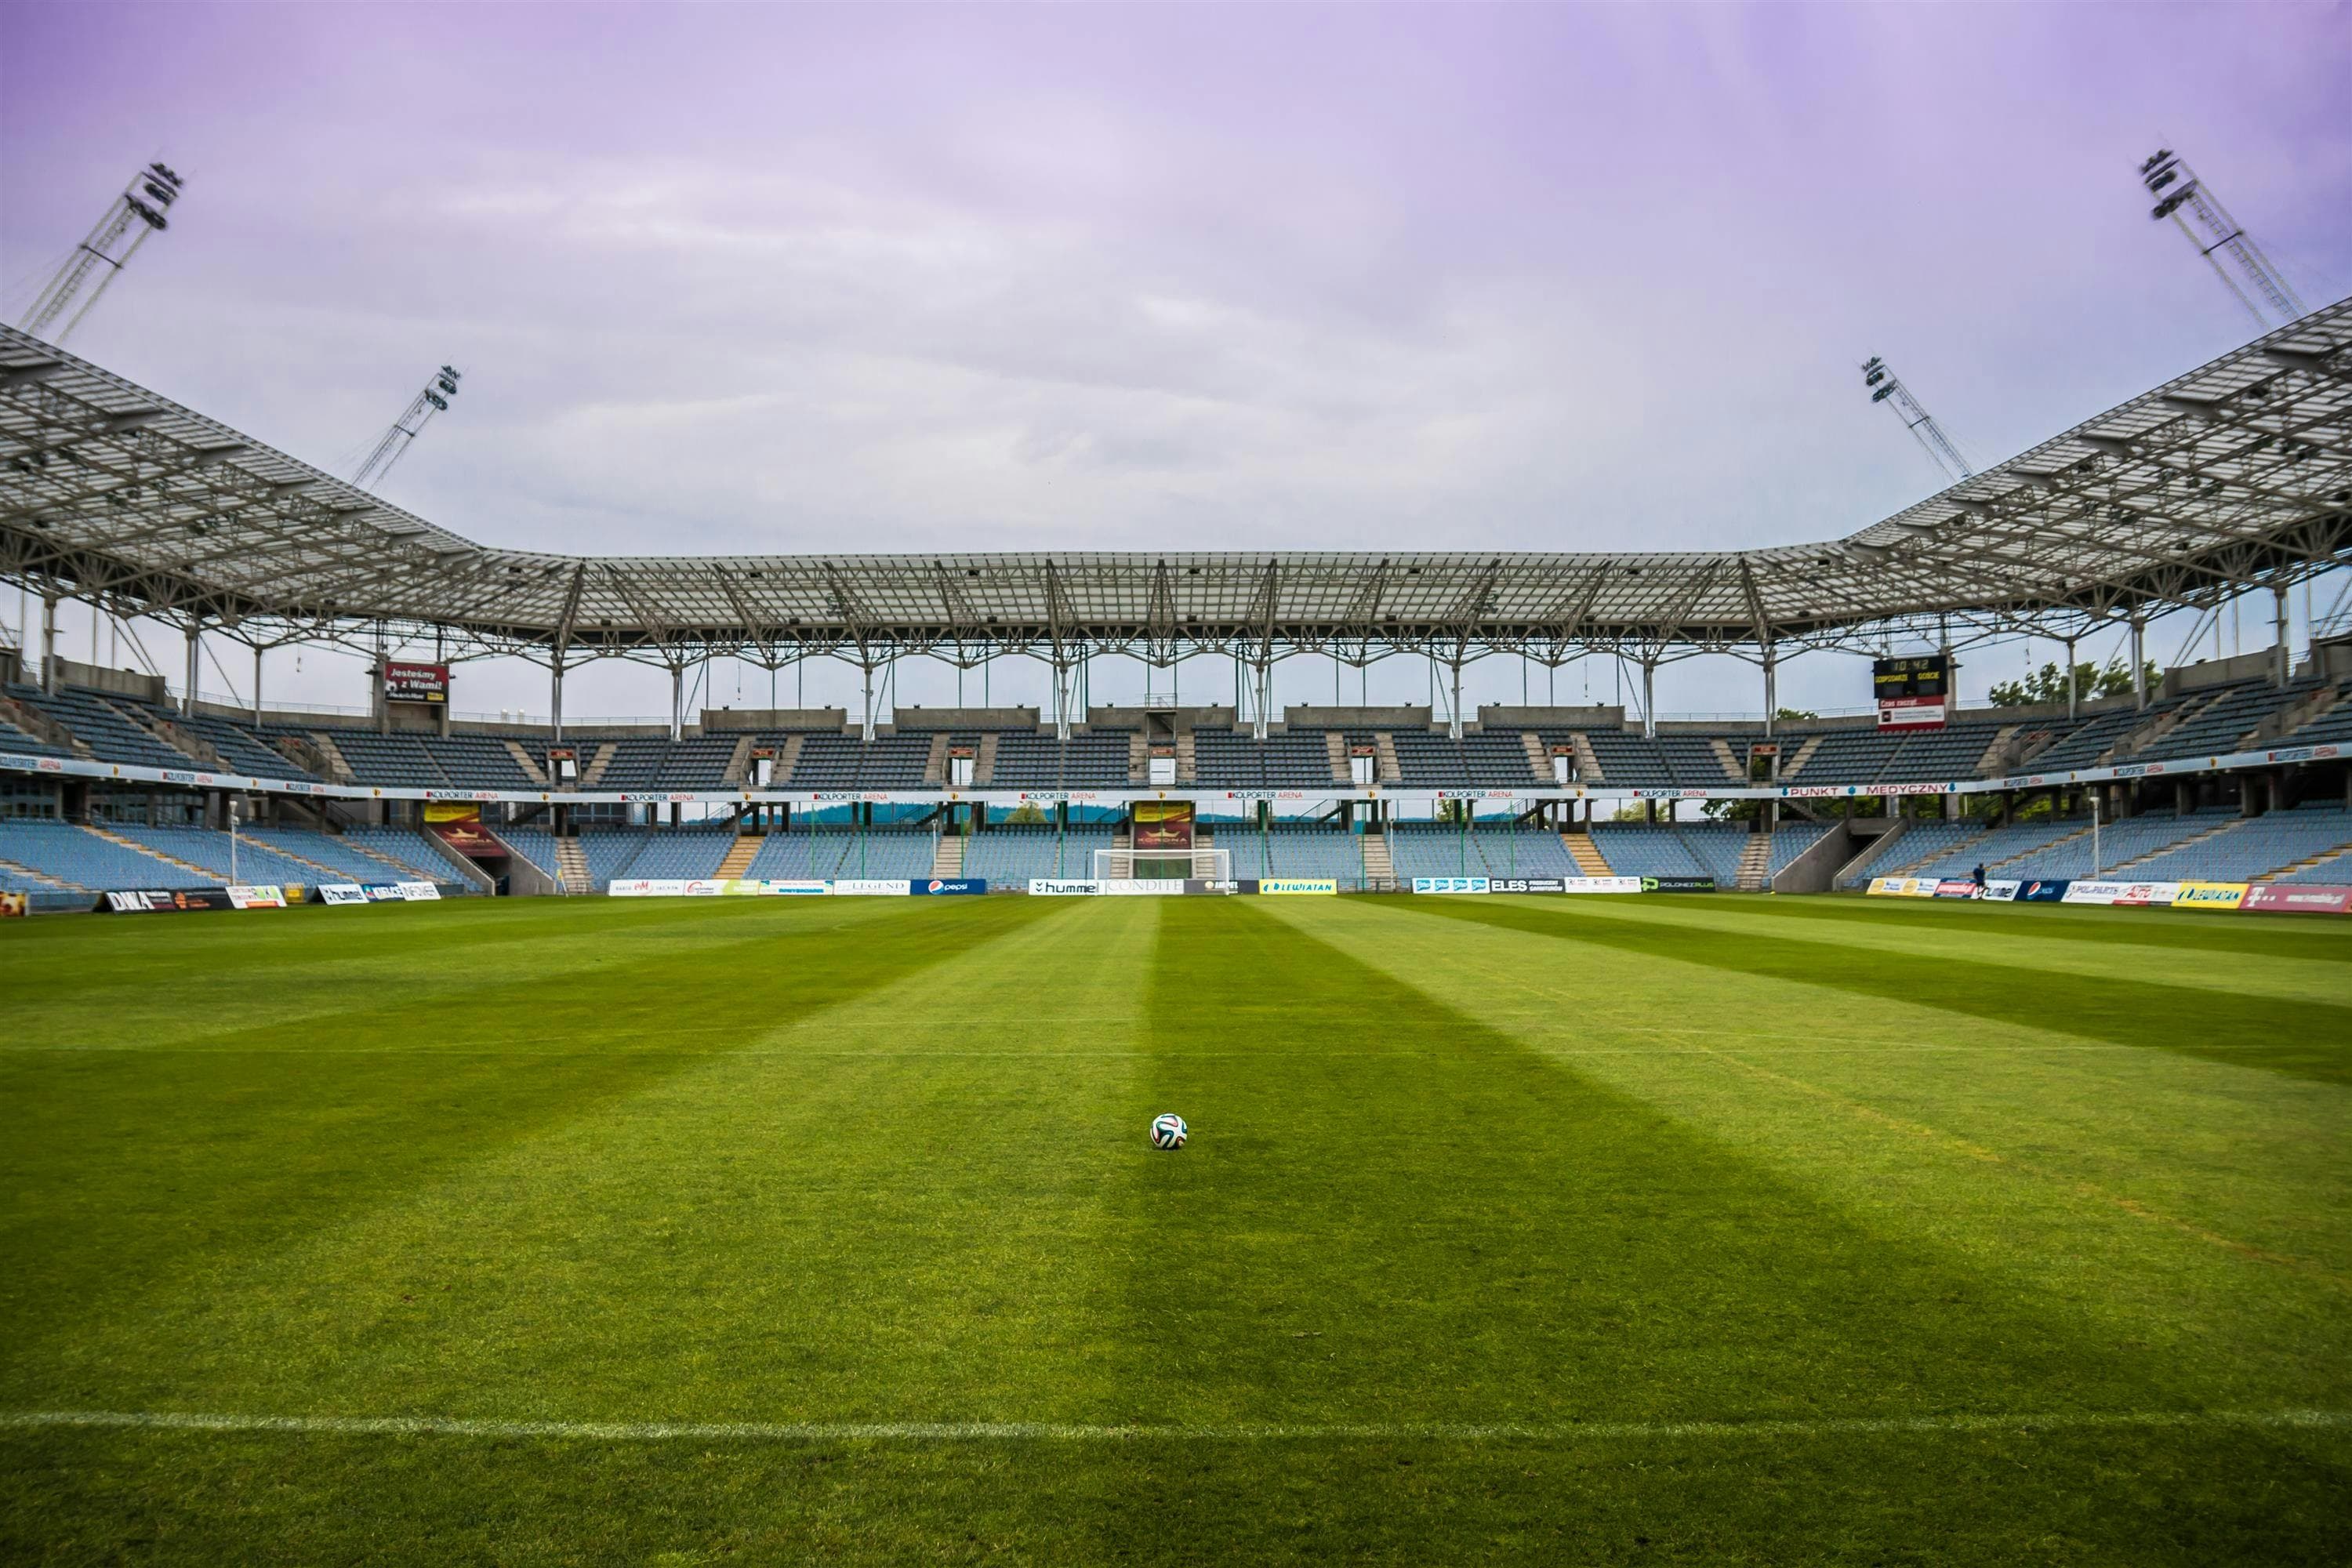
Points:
(166, 901)
(2041, 892)
(2210, 896)
(1600, 884)
(256, 897)
(2002, 890)
(1064, 887)
(1163, 824)
(1142, 886)
(1526, 885)
(342, 893)
(419, 892)
(1297, 885)
(869, 887)
(1911, 713)
(15, 905)
(406, 682)
(1955, 888)
(2309, 899)
(738, 889)
(798, 889)
(1447, 884)
(950, 885)
(2130, 895)
(1678, 884)
(705, 888)
(444, 809)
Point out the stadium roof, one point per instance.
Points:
(2235, 475)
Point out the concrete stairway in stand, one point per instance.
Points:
(1590, 861)
(571, 866)
(738, 857)
(1755, 863)
(1379, 868)
(947, 859)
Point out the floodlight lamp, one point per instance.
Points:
(1882, 395)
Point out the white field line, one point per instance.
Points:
(1083, 1432)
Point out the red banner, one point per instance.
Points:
(2311, 899)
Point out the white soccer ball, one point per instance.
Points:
(1167, 1131)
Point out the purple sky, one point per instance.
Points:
(736, 278)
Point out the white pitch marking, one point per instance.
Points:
(1080, 1432)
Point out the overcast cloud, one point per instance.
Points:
(744, 279)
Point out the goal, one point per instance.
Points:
(1163, 865)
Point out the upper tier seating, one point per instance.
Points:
(1492, 759)
(842, 762)
(2224, 719)
(1234, 759)
(97, 723)
(1026, 760)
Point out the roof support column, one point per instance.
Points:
(1064, 674)
(1650, 696)
(555, 695)
(2278, 617)
(49, 644)
(195, 644)
(2073, 683)
(1261, 697)
(256, 686)
(677, 700)
(1771, 695)
(866, 698)
(1454, 718)
(2139, 659)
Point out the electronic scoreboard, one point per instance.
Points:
(1913, 693)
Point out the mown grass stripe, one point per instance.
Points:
(1096, 1432)
(2302, 1038)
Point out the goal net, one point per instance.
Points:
(1171, 865)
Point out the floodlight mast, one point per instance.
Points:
(435, 398)
(1888, 387)
(104, 254)
(2180, 195)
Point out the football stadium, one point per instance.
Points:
(1206, 1126)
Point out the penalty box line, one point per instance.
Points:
(1084, 1432)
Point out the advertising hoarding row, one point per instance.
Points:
(740, 887)
(2109, 894)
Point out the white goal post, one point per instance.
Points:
(1176, 864)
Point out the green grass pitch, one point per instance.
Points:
(1534, 1230)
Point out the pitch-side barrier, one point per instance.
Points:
(2293, 897)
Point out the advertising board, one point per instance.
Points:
(1449, 884)
(256, 897)
(946, 885)
(1297, 885)
(404, 682)
(2210, 896)
(1911, 692)
(2313, 898)
(1678, 884)
(1955, 888)
(2130, 895)
(2043, 892)
(419, 892)
(869, 887)
(15, 905)
(342, 893)
(166, 901)
(1064, 887)
(2002, 891)
(1526, 885)
(1600, 884)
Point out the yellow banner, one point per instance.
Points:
(452, 811)
(2210, 896)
